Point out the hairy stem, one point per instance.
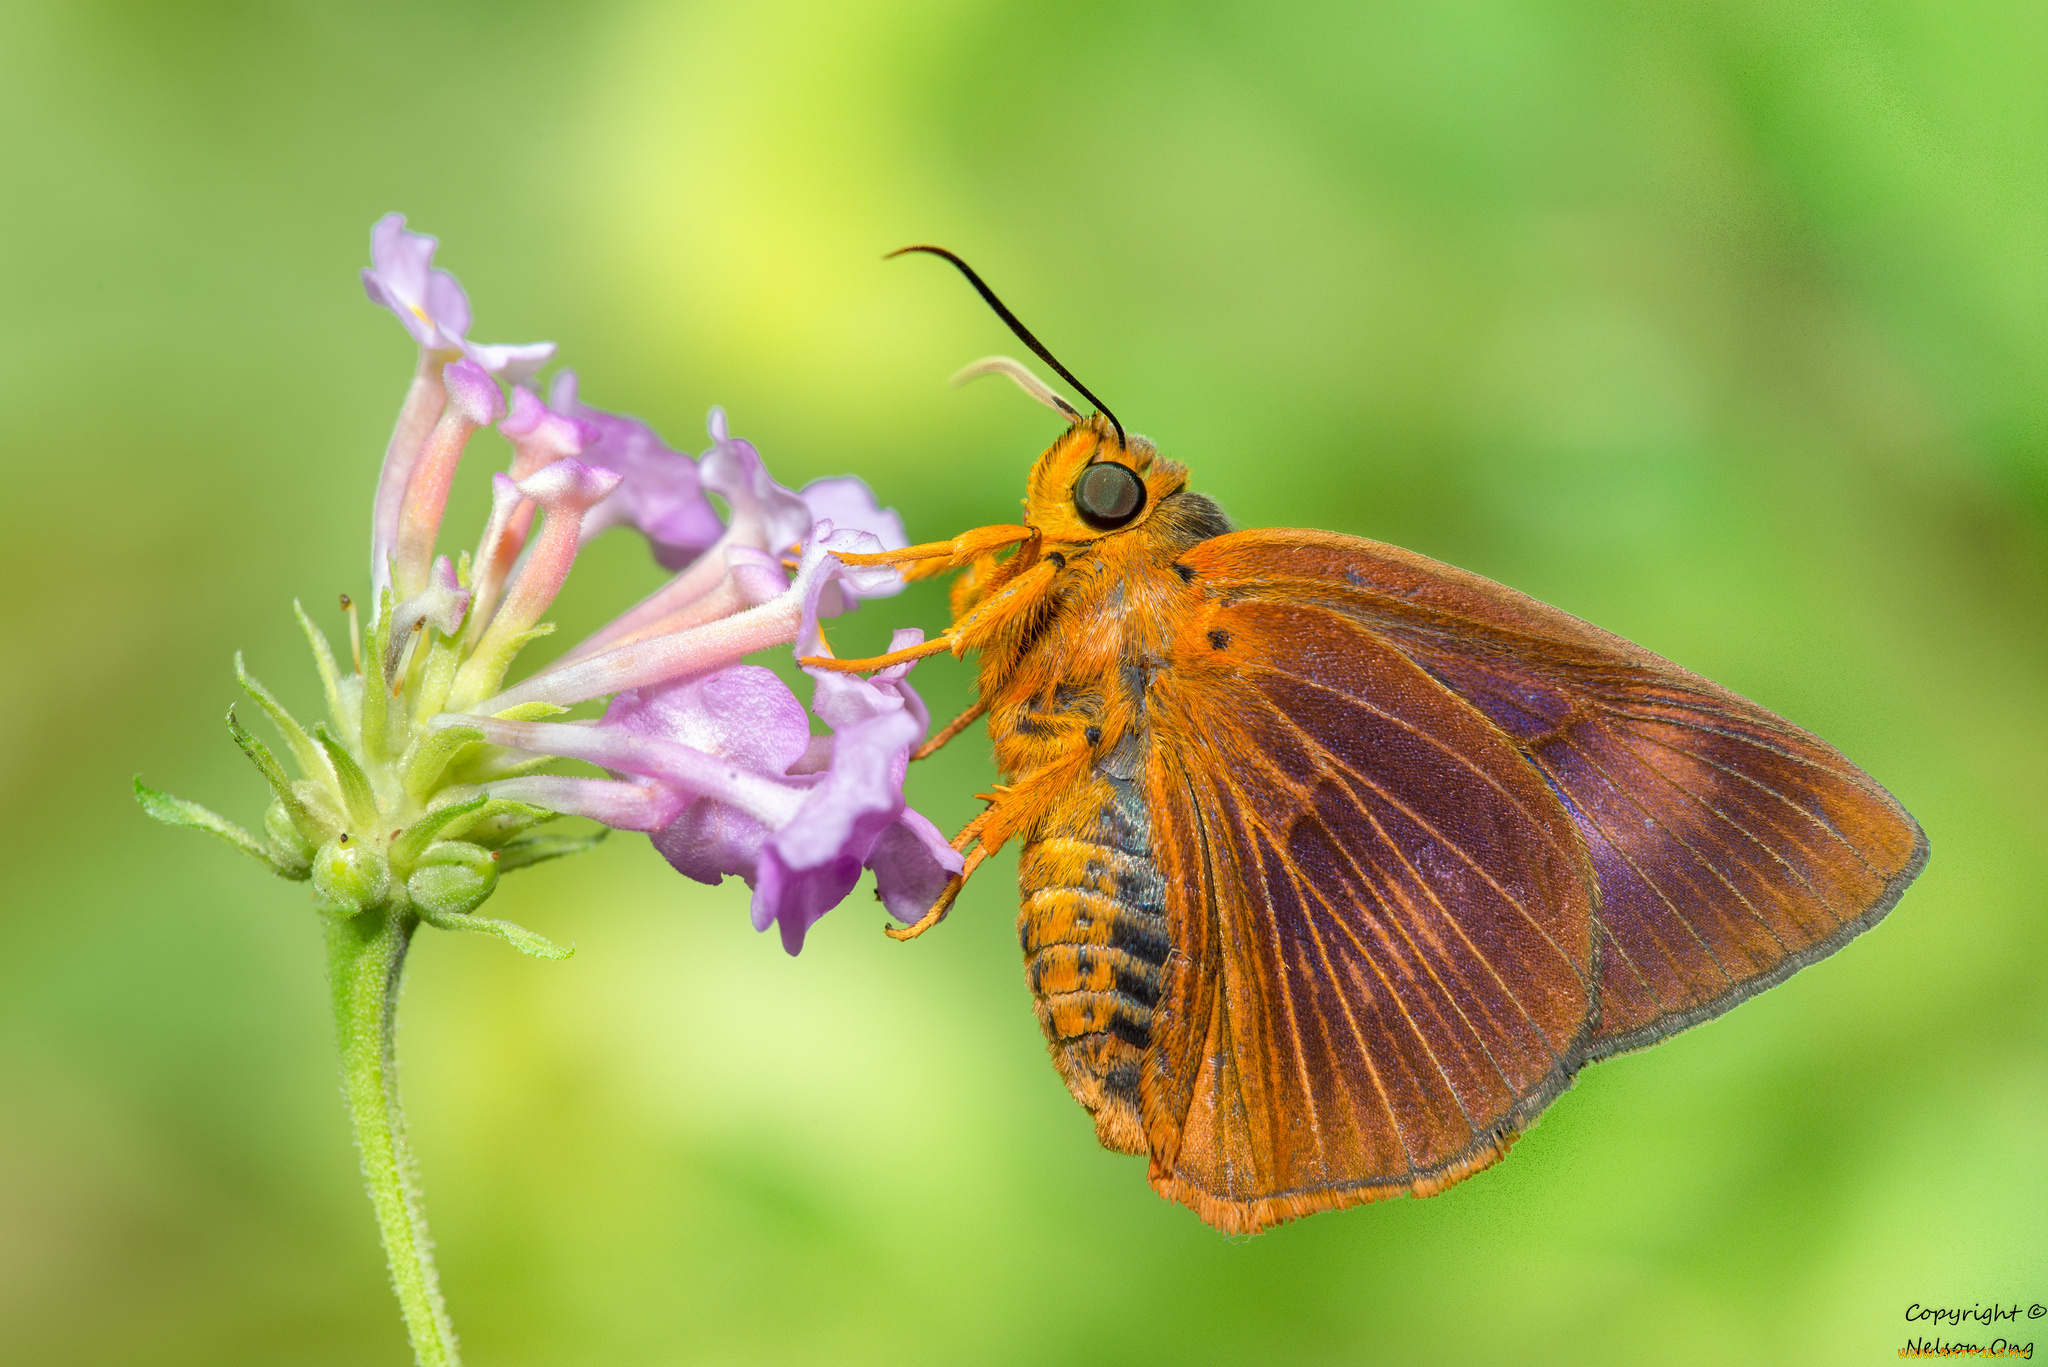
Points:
(365, 957)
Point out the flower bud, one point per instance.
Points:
(349, 877)
(453, 876)
(292, 848)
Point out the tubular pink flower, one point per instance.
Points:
(765, 516)
(432, 306)
(564, 490)
(497, 551)
(539, 438)
(699, 578)
(473, 401)
(699, 649)
(621, 806)
(752, 578)
(424, 401)
(662, 657)
(440, 605)
(756, 795)
(693, 771)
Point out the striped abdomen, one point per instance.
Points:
(1093, 929)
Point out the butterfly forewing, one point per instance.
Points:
(1731, 847)
(1384, 918)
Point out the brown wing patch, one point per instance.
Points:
(1732, 847)
(1383, 918)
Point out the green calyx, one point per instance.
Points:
(387, 812)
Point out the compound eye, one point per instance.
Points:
(1108, 495)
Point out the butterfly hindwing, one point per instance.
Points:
(1732, 848)
(1383, 918)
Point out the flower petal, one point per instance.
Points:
(512, 364)
(861, 793)
(661, 493)
(439, 605)
(473, 393)
(847, 502)
(757, 575)
(711, 839)
(681, 767)
(764, 514)
(744, 714)
(913, 862)
(401, 278)
(696, 650)
(843, 700)
(797, 898)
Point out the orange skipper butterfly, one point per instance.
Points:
(1339, 863)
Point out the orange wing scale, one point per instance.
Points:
(1431, 845)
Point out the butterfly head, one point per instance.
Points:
(1093, 483)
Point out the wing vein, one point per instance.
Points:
(1387, 986)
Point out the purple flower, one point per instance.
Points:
(435, 311)
(849, 823)
(763, 513)
(431, 303)
(764, 516)
(846, 501)
(660, 493)
(565, 491)
(767, 515)
(721, 769)
(419, 790)
(401, 277)
(512, 364)
(726, 777)
(714, 758)
(539, 435)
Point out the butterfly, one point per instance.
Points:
(1338, 863)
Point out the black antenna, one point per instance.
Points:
(1023, 333)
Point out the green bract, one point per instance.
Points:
(387, 813)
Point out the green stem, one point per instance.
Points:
(365, 957)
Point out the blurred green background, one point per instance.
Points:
(1723, 325)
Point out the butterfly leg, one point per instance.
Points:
(969, 834)
(943, 905)
(936, 557)
(987, 617)
(953, 728)
(937, 645)
(1011, 809)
